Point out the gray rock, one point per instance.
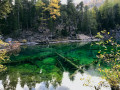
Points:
(31, 43)
(82, 37)
(8, 40)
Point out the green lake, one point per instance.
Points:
(53, 67)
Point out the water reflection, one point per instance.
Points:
(40, 68)
(80, 83)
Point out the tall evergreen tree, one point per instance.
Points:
(54, 8)
(5, 8)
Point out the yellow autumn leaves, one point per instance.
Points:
(5, 8)
(39, 4)
(109, 54)
(3, 43)
(111, 76)
(54, 8)
(3, 56)
(99, 35)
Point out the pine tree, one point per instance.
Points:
(85, 24)
(5, 8)
(93, 25)
(54, 8)
(80, 8)
(41, 11)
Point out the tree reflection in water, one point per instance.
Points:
(39, 67)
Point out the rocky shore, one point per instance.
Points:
(72, 41)
(45, 40)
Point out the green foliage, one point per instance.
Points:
(3, 56)
(71, 19)
(49, 61)
(110, 54)
(5, 8)
(64, 33)
(41, 12)
(99, 35)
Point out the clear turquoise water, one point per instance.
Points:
(41, 65)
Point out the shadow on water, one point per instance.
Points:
(40, 68)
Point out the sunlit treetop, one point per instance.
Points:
(54, 8)
(5, 8)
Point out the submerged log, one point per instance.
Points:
(68, 60)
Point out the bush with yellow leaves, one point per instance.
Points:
(3, 56)
(3, 44)
(109, 54)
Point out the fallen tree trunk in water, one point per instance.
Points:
(68, 60)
